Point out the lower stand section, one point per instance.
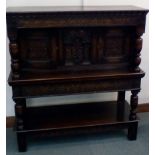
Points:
(76, 119)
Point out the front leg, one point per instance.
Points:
(20, 108)
(133, 104)
(132, 129)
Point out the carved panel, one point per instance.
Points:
(77, 47)
(117, 45)
(35, 51)
(113, 47)
(36, 44)
(114, 43)
(52, 49)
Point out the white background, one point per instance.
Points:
(144, 94)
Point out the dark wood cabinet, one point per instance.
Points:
(74, 50)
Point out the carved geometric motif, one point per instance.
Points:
(50, 49)
(38, 49)
(77, 47)
(114, 43)
(114, 47)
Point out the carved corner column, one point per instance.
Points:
(14, 52)
(20, 108)
(138, 46)
(132, 129)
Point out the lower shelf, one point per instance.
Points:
(76, 116)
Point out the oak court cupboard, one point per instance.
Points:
(75, 50)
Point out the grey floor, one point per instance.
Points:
(109, 143)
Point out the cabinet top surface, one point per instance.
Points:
(105, 8)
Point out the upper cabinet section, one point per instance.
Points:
(75, 38)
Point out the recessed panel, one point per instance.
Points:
(54, 49)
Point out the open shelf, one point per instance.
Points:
(73, 116)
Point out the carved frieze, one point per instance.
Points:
(79, 87)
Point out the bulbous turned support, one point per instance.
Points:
(20, 108)
(133, 104)
(14, 52)
(138, 47)
(137, 59)
(15, 65)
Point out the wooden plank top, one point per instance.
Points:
(106, 8)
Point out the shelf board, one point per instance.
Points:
(74, 116)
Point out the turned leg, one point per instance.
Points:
(133, 104)
(20, 107)
(132, 129)
(120, 105)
